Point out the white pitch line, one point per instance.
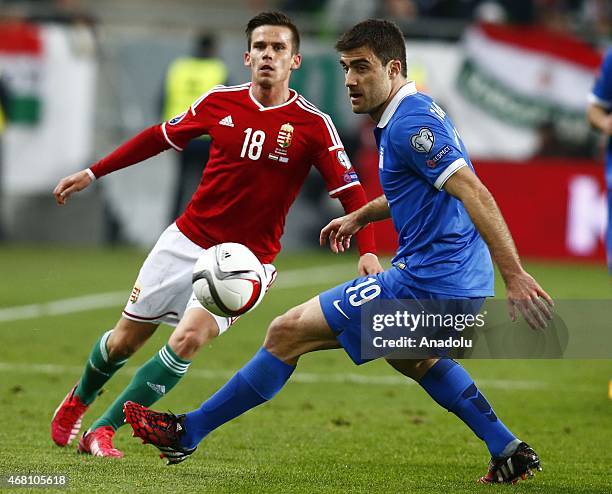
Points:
(288, 279)
(299, 377)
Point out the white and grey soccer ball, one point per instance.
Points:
(228, 280)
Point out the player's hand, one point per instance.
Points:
(339, 232)
(368, 264)
(72, 183)
(525, 294)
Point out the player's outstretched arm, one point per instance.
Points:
(522, 291)
(70, 184)
(142, 146)
(340, 230)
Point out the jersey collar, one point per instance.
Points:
(406, 90)
(261, 107)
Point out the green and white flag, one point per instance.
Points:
(515, 80)
(21, 64)
(50, 73)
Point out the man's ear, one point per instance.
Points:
(247, 59)
(296, 62)
(394, 69)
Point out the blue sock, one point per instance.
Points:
(451, 387)
(257, 382)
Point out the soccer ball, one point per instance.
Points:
(228, 280)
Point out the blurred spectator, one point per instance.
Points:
(599, 115)
(520, 12)
(553, 14)
(399, 10)
(344, 13)
(63, 12)
(187, 78)
(492, 12)
(597, 15)
(303, 6)
(550, 145)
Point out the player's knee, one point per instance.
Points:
(283, 333)
(187, 341)
(121, 346)
(126, 338)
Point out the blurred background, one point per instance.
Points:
(78, 77)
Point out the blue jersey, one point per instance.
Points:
(602, 96)
(440, 250)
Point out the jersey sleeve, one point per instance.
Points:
(331, 159)
(428, 147)
(601, 94)
(192, 123)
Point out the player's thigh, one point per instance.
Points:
(163, 286)
(300, 330)
(127, 337)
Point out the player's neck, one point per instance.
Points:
(270, 96)
(377, 114)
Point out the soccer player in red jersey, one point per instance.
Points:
(265, 137)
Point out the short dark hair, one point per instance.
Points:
(274, 19)
(383, 37)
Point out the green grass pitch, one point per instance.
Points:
(334, 428)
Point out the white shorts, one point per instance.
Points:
(163, 292)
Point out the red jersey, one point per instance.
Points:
(259, 159)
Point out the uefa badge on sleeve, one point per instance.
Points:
(423, 141)
(343, 159)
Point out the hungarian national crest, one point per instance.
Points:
(283, 141)
(135, 293)
(285, 135)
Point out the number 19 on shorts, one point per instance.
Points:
(363, 292)
(253, 144)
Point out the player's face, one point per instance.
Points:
(368, 81)
(270, 58)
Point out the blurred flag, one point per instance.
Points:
(21, 60)
(528, 77)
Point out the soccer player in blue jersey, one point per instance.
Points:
(599, 114)
(447, 222)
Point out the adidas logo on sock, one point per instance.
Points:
(160, 389)
(227, 121)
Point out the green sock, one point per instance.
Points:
(98, 370)
(152, 381)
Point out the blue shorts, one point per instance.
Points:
(342, 305)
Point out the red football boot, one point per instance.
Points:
(99, 442)
(66, 421)
(162, 430)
